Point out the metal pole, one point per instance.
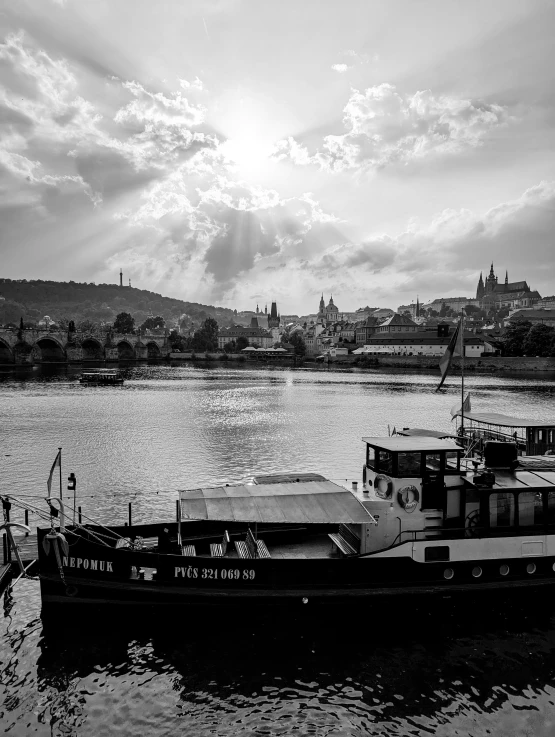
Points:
(74, 498)
(5, 548)
(129, 514)
(27, 521)
(60, 472)
(79, 515)
(462, 373)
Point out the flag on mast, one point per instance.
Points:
(446, 360)
(459, 408)
(57, 464)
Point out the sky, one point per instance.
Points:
(237, 152)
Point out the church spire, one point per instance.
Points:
(506, 277)
(491, 270)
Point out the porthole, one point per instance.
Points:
(448, 573)
(504, 570)
(476, 571)
(531, 568)
(553, 566)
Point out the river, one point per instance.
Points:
(176, 427)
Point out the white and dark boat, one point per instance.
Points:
(418, 524)
(104, 377)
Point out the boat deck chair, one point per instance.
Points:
(218, 550)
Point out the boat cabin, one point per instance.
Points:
(532, 437)
(101, 376)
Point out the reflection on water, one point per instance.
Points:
(466, 670)
(384, 672)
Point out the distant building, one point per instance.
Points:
(491, 293)
(423, 343)
(397, 324)
(254, 334)
(535, 316)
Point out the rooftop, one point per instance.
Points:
(417, 443)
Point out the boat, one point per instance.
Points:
(417, 524)
(107, 377)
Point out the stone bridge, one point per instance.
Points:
(45, 346)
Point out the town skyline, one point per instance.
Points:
(237, 152)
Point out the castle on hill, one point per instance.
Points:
(491, 292)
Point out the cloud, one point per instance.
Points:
(341, 68)
(385, 128)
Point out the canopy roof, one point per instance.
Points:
(493, 418)
(294, 503)
(418, 431)
(400, 443)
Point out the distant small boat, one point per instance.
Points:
(101, 376)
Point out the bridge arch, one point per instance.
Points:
(93, 350)
(49, 349)
(6, 353)
(153, 350)
(125, 350)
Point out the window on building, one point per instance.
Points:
(530, 508)
(501, 509)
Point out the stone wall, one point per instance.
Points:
(480, 365)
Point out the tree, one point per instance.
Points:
(152, 323)
(86, 326)
(124, 323)
(471, 310)
(241, 343)
(539, 341)
(515, 336)
(206, 338)
(177, 342)
(297, 341)
(444, 309)
(230, 347)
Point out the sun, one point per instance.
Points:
(249, 153)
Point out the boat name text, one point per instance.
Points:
(229, 574)
(86, 564)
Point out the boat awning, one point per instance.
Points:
(493, 418)
(311, 502)
(412, 432)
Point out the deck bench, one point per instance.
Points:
(346, 541)
(218, 550)
(250, 547)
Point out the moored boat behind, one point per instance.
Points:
(107, 377)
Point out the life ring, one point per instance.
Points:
(383, 486)
(408, 498)
(71, 591)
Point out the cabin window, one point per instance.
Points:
(452, 460)
(436, 553)
(530, 508)
(433, 461)
(385, 461)
(550, 436)
(408, 464)
(501, 509)
(551, 507)
(541, 436)
(370, 456)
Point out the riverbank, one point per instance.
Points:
(485, 364)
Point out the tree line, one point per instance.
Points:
(524, 339)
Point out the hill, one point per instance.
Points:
(34, 298)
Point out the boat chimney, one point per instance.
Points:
(355, 485)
